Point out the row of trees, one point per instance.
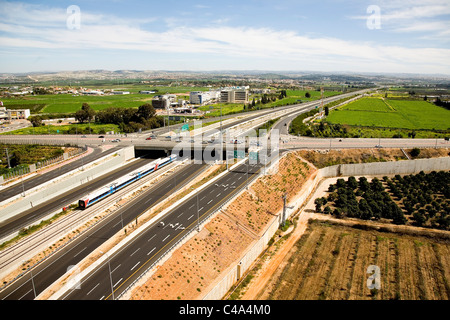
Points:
(266, 98)
(360, 199)
(424, 198)
(444, 104)
(128, 119)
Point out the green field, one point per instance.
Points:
(67, 103)
(66, 129)
(402, 114)
(293, 97)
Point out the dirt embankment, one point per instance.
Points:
(198, 263)
(325, 158)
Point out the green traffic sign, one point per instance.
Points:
(239, 154)
(253, 155)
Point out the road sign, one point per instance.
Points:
(185, 127)
(253, 155)
(239, 154)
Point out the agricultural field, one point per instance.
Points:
(330, 262)
(421, 200)
(67, 103)
(293, 97)
(84, 128)
(391, 113)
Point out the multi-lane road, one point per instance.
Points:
(45, 273)
(122, 268)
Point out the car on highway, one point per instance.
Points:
(101, 137)
(115, 140)
(378, 146)
(149, 138)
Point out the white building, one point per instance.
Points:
(120, 92)
(17, 114)
(231, 95)
(164, 101)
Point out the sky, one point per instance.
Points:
(377, 36)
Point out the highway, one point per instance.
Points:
(44, 274)
(127, 264)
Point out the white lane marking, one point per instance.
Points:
(218, 195)
(182, 213)
(135, 266)
(190, 217)
(117, 283)
(166, 238)
(92, 289)
(200, 209)
(25, 294)
(116, 268)
(151, 238)
(151, 251)
(209, 201)
(80, 252)
(135, 251)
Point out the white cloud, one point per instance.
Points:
(415, 16)
(45, 28)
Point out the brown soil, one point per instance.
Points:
(324, 158)
(331, 261)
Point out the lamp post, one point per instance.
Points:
(110, 275)
(32, 280)
(198, 212)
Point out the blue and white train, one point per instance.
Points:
(124, 181)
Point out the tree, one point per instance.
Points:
(85, 114)
(415, 152)
(36, 121)
(327, 111)
(146, 111)
(352, 183)
(318, 203)
(307, 95)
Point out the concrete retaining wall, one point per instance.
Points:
(387, 168)
(61, 185)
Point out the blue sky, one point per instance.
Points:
(407, 36)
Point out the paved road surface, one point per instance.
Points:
(57, 265)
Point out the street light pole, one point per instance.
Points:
(198, 211)
(110, 275)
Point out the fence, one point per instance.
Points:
(21, 170)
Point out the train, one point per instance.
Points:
(124, 181)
